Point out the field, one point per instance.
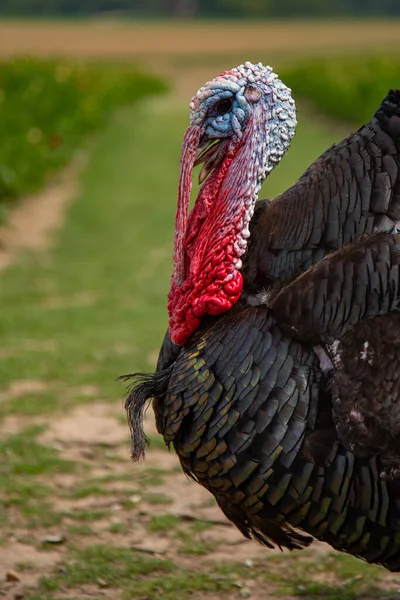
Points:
(85, 302)
(114, 39)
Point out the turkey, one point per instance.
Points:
(238, 392)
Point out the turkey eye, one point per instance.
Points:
(223, 106)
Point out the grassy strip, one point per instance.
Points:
(334, 577)
(23, 498)
(138, 575)
(347, 88)
(47, 106)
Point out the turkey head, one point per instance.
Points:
(241, 124)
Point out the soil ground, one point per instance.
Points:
(104, 38)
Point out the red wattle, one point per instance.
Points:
(187, 304)
(234, 286)
(205, 278)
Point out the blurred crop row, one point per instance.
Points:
(349, 89)
(48, 106)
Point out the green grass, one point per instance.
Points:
(87, 489)
(153, 498)
(187, 537)
(117, 528)
(22, 454)
(32, 404)
(84, 530)
(22, 460)
(164, 523)
(91, 515)
(332, 577)
(157, 442)
(137, 575)
(349, 88)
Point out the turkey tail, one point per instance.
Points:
(143, 388)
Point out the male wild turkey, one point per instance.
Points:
(241, 389)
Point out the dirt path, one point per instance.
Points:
(31, 225)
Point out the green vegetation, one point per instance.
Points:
(157, 499)
(22, 460)
(165, 522)
(138, 575)
(186, 536)
(346, 88)
(33, 404)
(48, 106)
(91, 515)
(331, 577)
(21, 454)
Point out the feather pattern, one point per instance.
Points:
(249, 414)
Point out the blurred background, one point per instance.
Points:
(201, 8)
(93, 105)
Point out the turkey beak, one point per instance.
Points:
(211, 153)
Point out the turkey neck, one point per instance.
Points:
(207, 256)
